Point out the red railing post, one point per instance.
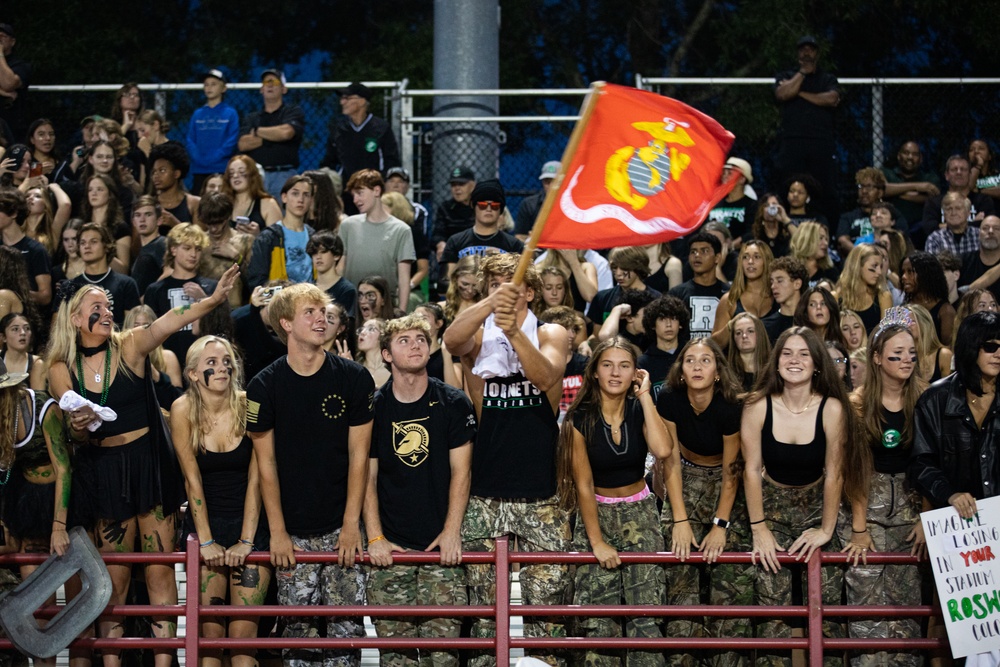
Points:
(192, 610)
(502, 565)
(815, 585)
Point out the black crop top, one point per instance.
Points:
(794, 465)
(891, 455)
(701, 434)
(127, 397)
(224, 478)
(614, 466)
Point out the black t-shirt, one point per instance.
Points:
(657, 363)
(259, 347)
(616, 465)
(167, 294)
(973, 269)
(702, 302)
(276, 153)
(12, 110)
(468, 243)
(345, 293)
(450, 218)
(701, 434)
(775, 323)
(311, 418)
(412, 443)
(606, 299)
(505, 463)
(527, 212)
(737, 216)
(802, 119)
(36, 258)
(121, 290)
(149, 263)
(891, 455)
(728, 267)
(435, 365)
(855, 224)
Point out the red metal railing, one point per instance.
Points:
(814, 610)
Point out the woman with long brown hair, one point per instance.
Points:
(802, 457)
(750, 291)
(243, 183)
(749, 348)
(819, 311)
(702, 510)
(463, 288)
(603, 443)
(887, 516)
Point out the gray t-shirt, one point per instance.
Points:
(375, 249)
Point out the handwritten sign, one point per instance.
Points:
(963, 556)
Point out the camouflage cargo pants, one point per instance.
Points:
(411, 585)
(626, 526)
(539, 525)
(720, 584)
(893, 510)
(321, 584)
(790, 511)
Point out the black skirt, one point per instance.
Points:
(126, 479)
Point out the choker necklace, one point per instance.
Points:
(91, 351)
(99, 280)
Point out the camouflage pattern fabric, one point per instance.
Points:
(790, 511)
(893, 510)
(539, 525)
(321, 584)
(628, 527)
(411, 585)
(720, 584)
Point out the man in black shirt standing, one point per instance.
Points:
(148, 265)
(310, 416)
(418, 488)
(454, 215)
(272, 137)
(808, 97)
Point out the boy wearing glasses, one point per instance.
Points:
(485, 237)
(376, 243)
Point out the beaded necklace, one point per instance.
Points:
(105, 384)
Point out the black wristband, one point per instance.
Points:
(681, 520)
(754, 523)
(859, 532)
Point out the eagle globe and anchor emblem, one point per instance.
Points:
(633, 175)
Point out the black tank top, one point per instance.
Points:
(794, 465)
(256, 215)
(181, 211)
(224, 478)
(617, 465)
(936, 375)
(127, 397)
(870, 317)
(891, 455)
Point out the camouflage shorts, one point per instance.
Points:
(321, 584)
(789, 511)
(626, 526)
(540, 525)
(412, 585)
(893, 510)
(719, 584)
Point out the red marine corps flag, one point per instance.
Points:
(640, 168)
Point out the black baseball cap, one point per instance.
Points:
(359, 89)
(215, 74)
(807, 40)
(398, 171)
(7, 29)
(461, 174)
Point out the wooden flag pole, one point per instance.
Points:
(587, 110)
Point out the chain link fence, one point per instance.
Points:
(530, 127)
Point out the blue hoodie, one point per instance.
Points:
(212, 136)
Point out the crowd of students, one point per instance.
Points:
(750, 387)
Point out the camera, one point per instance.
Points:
(772, 210)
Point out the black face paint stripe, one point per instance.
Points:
(208, 375)
(94, 319)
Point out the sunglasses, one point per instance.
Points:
(492, 205)
(990, 347)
